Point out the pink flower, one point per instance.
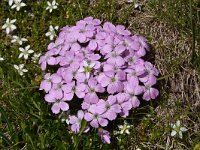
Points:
(94, 116)
(69, 58)
(135, 72)
(150, 92)
(101, 67)
(110, 68)
(149, 76)
(142, 45)
(128, 43)
(91, 89)
(113, 82)
(49, 79)
(112, 108)
(70, 72)
(71, 89)
(115, 57)
(57, 46)
(125, 104)
(133, 89)
(57, 89)
(76, 121)
(104, 135)
(91, 20)
(47, 59)
(58, 104)
(83, 31)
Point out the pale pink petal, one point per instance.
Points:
(64, 106)
(69, 96)
(138, 90)
(55, 108)
(107, 48)
(112, 99)
(135, 102)
(80, 77)
(92, 45)
(56, 78)
(50, 98)
(43, 65)
(88, 116)
(80, 94)
(110, 115)
(91, 98)
(116, 108)
(45, 85)
(120, 61)
(147, 96)
(105, 81)
(94, 123)
(72, 119)
(80, 114)
(82, 38)
(126, 105)
(85, 105)
(103, 122)
(154, 93)
(51, 61)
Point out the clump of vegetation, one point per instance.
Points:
(170, 122)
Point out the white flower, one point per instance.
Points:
(51, 33)
(87, 68)
(25, 52)
(9, 26)
(1, 58)
(18, 4)
(10, 2)
(18, 40)
(124, 128)
(115, 132)
(35, 57)
(129, 1)
(177, 129)
(63, 120)
(67, 121)
(138, 6)
(52, 5)
(20, 69)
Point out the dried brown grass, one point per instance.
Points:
(180, 90)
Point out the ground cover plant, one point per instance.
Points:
(169, 122)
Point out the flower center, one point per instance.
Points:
(113, 79)
(133, 73)
(125, 44)
(92, 90)
(114, 55)
(82, 30)
(115, 68)
(96, 116)
(147, 88)
(73, 73)
(132, 95)
(59, 86)
(49, 80)
(18, 4)
(73, 88)
(87, 69)
(57, 100)
(131, 60)
(108, 106)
